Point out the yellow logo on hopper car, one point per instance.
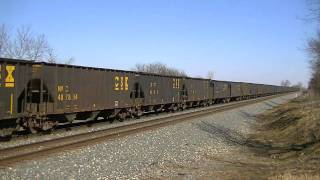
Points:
(9, 82)
(121, 83)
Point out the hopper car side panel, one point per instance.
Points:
(236, 90)
(222, 90)
(245, 89)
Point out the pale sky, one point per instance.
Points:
(253, 41)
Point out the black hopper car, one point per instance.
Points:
(37, 95)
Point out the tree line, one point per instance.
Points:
(314, 49)
(163, 69)
(158, 68)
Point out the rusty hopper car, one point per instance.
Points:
(221, 91)
(253, 90)
(245, 90)
(236, 92)
(40, 95)
(37, 95)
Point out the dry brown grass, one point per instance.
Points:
(291, 127)
(289, 176)
(290, 134)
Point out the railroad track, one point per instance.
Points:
(13, 155)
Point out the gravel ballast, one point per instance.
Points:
(99, 125)
(166, 152)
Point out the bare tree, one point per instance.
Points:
(25, 44)
(314, 50)
(38, 48)
(210, 75)
(4, 39)
(19, 47)
(52, 57)
(286, 83)
(30, 46)
(158, 68)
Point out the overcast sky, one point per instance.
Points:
(249, 40)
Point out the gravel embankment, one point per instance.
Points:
(172, 151)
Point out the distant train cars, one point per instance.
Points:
(38, 95)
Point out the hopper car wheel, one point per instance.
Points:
(34, 125)
(139, 114)
(175, 108)
(122, 116)
(131, 113)
(6, 132)
(31, 125)
(184, 107)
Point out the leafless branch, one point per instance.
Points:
(314, 9)
(25, 45)
(4, 39)
(52, 57)
(314, 50)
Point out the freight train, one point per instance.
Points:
(37, 96)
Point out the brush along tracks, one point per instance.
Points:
(13, 155)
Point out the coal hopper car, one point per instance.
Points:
(38, 96)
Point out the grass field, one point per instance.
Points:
(290, 134)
